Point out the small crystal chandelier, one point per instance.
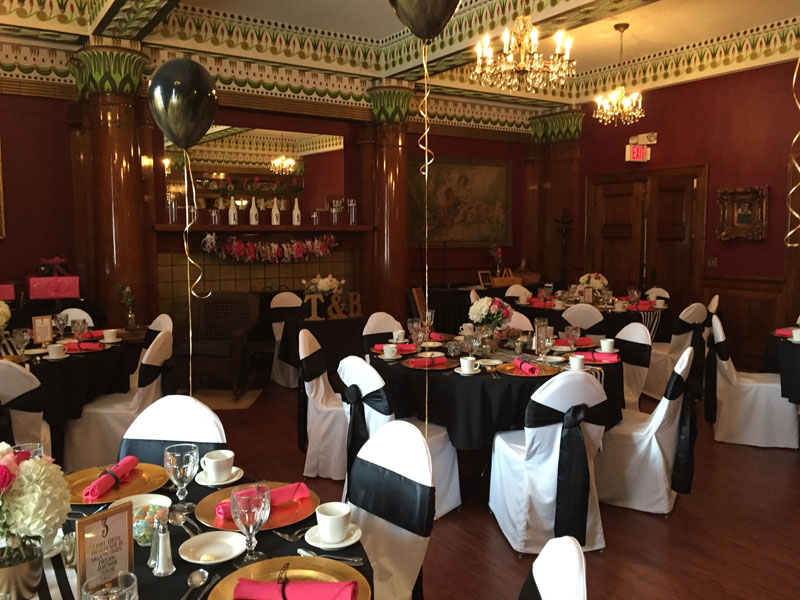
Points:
(617, 107)
(522, 66)
(282, 165)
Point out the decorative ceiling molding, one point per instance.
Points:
(557, 127)
(131, 19)
(447, 111)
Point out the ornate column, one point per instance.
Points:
(146, 126)
(368, 165)
(82, 216)
(109, 78)
(390, 105)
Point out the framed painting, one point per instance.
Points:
(742, 213)
(469, 202)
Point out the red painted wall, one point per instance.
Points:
(741, 125)
(37, 184)
(323, 176)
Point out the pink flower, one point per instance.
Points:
(21, 455)
(342, 281)
(303, 281)
(496, 302)
(505, 313)
(493, 308)
(6, 478)
(330, 276)
(319, 276)
(9, 461)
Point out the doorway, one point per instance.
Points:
(647, 229)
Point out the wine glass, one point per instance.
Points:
(549, 288)
(250, 508)
(20, 339)
(572, 335)
(181, 462)
(541, 293)
(413, 326)
(427, 323)
(78, 328)
(453, 348)
(61, 320)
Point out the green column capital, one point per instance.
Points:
(557, 127)
(390, 104)
(111, 69)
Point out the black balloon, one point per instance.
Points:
(425, 18)
(183, 101)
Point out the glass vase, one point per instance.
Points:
(20, 581)
(131, 319)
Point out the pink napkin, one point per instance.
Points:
(73, 346)
(536, 303)
(622, 299)
(426, 362)
(579, 342)
(400, 347)
(105, 482)
(436, 337)
(787, 333)
(92, 335)
(249, 589)
(603, 356)
(643, 305)
(526, 367)
(286, 493)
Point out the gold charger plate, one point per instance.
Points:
(143, 479)
(280, 515)
(511, 369)
(300, 568)
(449, 363)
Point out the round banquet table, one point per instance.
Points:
(174, 585)
(338, 337)
(782, 356)
(474, 408)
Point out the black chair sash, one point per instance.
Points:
(572, 490)
(683, 463)
(149, 336)
(633, 353)
(149, 373)
(357, 432)
(152, 451)
(285, 313)
(715, 350)
(530, 591)
(392, 497)
(311, 367)
(375, 338)
(694, 383)
(30, 401)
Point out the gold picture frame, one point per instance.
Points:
(742, 213)
(2, 206)
(485, 278)
(116, 521)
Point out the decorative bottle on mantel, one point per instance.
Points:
(233, 213)
(253, 211)
(296, 213)
(276, 213)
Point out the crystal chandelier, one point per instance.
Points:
(617, 107)
(282, 165)
(521, 65)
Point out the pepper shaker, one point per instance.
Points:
(164, 565)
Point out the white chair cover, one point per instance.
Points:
(473, 296)
(634, 470)
(750, 409)
(395, 534)
(664, 356)
(380, 322)
(95, 437)
(634, 345)
(326, 424)
(654, 293)
(27, 427)
(798, 319)
(520, 291)
(583, 316)
(713, 305)
(283, 373)
(355, 371)
(559, 571)
(76, 314)
(522, 490)
(520, 321)
(162, 322)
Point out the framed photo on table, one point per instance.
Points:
(42, 329)
(104, 543)
(485, 278)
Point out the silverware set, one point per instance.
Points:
(350, 561)
(211, 583)
(295, 536)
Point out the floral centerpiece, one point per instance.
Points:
(5, 315)
(327, 286)
(596, 281)
(491, 313)
(126, 298)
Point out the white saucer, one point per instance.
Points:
(35, 351)
(561, 349)
(353, 535)
(202, 478)
(463, 374)
(569, 368)
(116, 341)
(430, 354)
(390, 358)
(212, 547)
(55, 357)
(57, 547)
(403, 341)
(489, 362)
(458, 338)
(792, 341)
(432, 344)
(613, 351)
(554, 359)
(619, 311)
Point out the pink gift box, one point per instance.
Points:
(53, 287)
(6, 291)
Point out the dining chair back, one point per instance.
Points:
(634, 346)
(558, 573)
(162, 322)
(353, 370)
(171, 420)
(473, 296)
(657, 293)
(392, 501)
(25, 411)
(711, 310)
(377, 326)
(283, 373)
(520, 321)
(76, 314)
(518, 291)
(583, 316)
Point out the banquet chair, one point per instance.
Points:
(520, 321)
(634, 346)
(354, 371)
(376, 329)
(76, 314)
(749, 406)
(16, 391)
(637, 467)
(473, 296)
(172, 420)
(519, 291)
(524, 488)
(283, 373)
(584, 316)
(392, 501)
(94, 438)
(321, 419)
(657, 293)
(712, 308)
(558, 573)
(664, 355)
(162, 322)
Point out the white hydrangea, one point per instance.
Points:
(479, 309)
(37, 502)
(5, 313)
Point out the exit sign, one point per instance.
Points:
(637, 153)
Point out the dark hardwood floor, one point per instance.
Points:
(736, 536)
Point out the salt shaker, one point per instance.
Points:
(164, 565)
(152, 561)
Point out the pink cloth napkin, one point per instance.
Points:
(92, 335)
(426, 362)
(436, 337)
(105, 482)
(787, 333)
(643, 305)
(400, 347)
(73, 346)
(249, 589)
(281, 495)
(535, 302)
(526, 367)
(604, 356)
(579, 342)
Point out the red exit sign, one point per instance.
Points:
(637, 153)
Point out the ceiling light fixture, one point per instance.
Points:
(282, 165)
(617, 107)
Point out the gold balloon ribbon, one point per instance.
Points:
(188, 179)
(793, 161)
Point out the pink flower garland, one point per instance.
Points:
(271, 252)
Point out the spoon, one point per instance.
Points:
(196, 579)
(177, 518)
(352, 561)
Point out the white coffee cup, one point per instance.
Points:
(467, 329)
(218, 465)
(333, 519)
(607, 345)
(796, 334)
(660, 303)
(56, 351)
(389, 350)
(109, 335)
(558, 304)
(652, 297)
(468, 364)
(398, 335)
(576, 362)
(619, 306)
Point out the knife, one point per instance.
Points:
(212, 582)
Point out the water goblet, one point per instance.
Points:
(572, 335)
(453, 348)
(122, 587)
(413, 325)
(573, 290)
(78, 327)
(20, 339)
(250, 507)
(542, 293)
(549, 288)
(477, 345)
(181, 462)
(61, 321)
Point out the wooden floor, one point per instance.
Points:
(736, 536)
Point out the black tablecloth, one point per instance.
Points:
(474, 408)
(338, 338)
(782, 356)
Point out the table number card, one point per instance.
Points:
(105, 543)
(42, 329)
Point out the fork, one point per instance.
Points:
(292, 537)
